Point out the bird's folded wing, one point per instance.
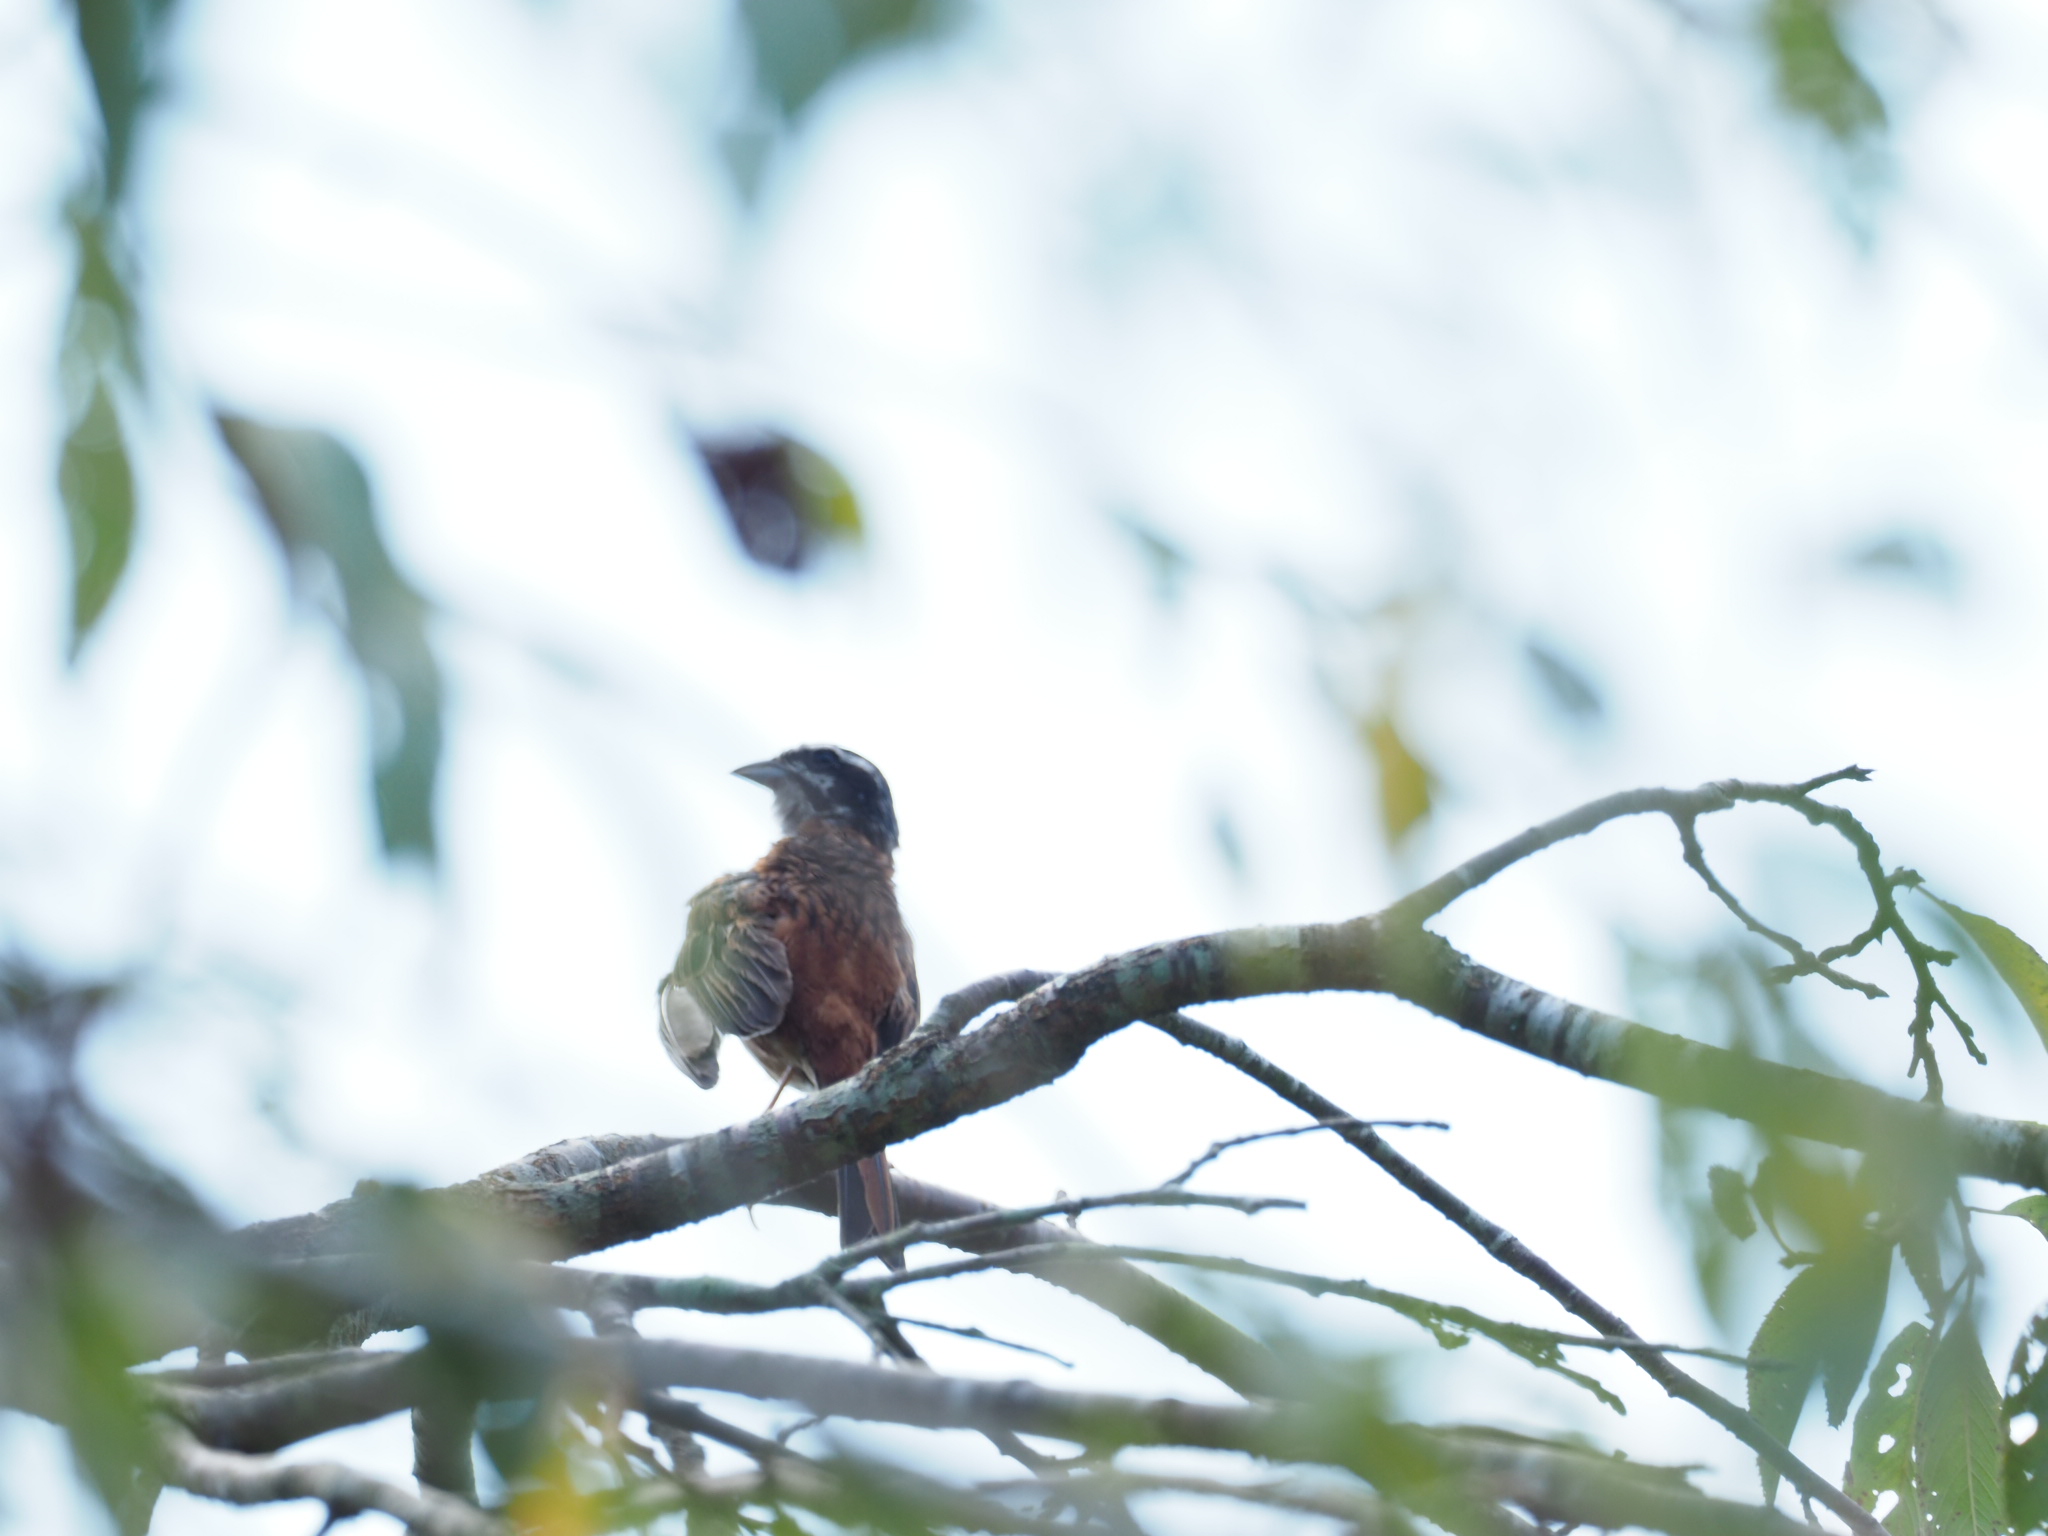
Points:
(732, 963)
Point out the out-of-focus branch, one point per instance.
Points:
(1400, 1459)
(1411, 1465)
(1141, 1300)
(274, 1411)
(240, 1479)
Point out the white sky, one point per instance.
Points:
(1538, 302)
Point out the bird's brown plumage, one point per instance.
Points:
(806, 960)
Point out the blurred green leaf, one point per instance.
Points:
(787, 501)
(800, 46)
(2026, 1460)
(2018, 963)
(316, 499)
(1914, 557)
(1166, 559)
(1831, 1208)
(1731, 1201)
(1959, 1438)
(1823, 1324)
(1816, 78)
(1564, 684)
(1406, 784)
(117, 38)
(1881, 1444)
(1918, 1247)
(2029, 1208)
(97, 487)
(101, 328)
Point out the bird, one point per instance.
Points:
(804, 958)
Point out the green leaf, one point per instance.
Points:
(1823, 1324)
(116, 37)
(2026, 1461)
(799, 46)
(1406, 784)
(1731, 1201)
(1881, 1444)
(1922, 1253)
(1959, 1438)
(2032, 1209)
(316, 499)
(1816, 78)
(98, 491)
(2018, 963)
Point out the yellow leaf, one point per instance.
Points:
(1405, 781)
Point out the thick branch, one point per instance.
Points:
(932, 1081)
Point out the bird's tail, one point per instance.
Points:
(867, 1204)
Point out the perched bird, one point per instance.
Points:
(804, 958)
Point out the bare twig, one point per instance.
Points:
(1218, 1148)
(1414, 1307)
(1680, 805)
(1511, 1251)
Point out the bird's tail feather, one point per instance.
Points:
(867, 1204)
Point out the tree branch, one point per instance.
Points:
(239, 1479)
(1504, 1246)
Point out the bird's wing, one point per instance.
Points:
(732, 965)
(687, 1033)
(904, 1010)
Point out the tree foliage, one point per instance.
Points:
(536, 1368)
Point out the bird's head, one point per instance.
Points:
(829, 784)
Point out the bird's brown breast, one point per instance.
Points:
(829, 897)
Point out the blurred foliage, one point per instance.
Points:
(120, 41)
(788, 503)
(1566, 684)
(103, 1249)
(797, 49)
(800, 46)
(2025, 1418)
(2018, 964)
(316, 499)
(1406, 783)
(1910, 557)
(108, 1257)
(1167, 561)
(95, 480)
(1816, 78)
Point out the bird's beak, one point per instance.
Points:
(770, 773)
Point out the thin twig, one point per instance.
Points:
(1218, 1148)
(982, 1336)
(865, 1286)
(1518, 1256)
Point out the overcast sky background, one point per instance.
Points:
(1541, 310)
